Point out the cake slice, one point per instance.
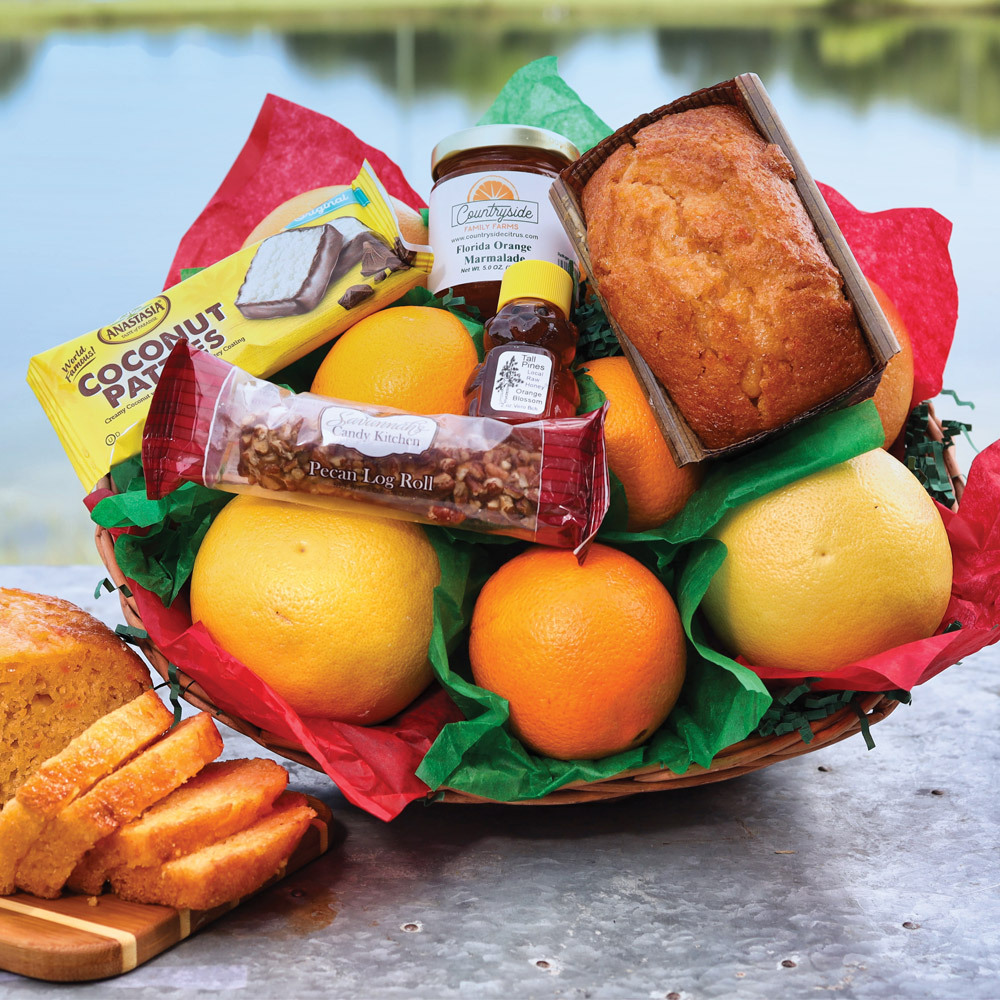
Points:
(225, 871)
(115, 800)
(95, 753)
(222, 799)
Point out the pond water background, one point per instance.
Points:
(111, 143)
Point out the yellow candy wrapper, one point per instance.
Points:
(261, 308)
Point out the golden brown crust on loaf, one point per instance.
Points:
(708, 261)
(18, 828)
(115, 800)
(224, 871)
(96, 752)
(60, 670)
(222, 799)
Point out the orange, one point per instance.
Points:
(333, 610)
(843, 564)
(892, 397)
(591, 658)
(655, 488)
(412, 357)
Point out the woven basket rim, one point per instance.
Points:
(749, 754)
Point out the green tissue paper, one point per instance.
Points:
(161, 557)
(537, 95)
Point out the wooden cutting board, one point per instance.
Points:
(71, 939)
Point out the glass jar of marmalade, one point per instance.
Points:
(490, 208)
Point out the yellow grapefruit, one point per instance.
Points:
(333, 610)
(843, 564)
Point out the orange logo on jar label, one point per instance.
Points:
(492, 188)
(493, 202)
(136, 324)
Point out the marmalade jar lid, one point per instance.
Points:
(483, 136)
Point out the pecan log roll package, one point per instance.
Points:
(212, 423)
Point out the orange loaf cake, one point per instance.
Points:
(120, 797)
(222, 799)
(709, 263)
(226, 870)
(58, 781)
(60, 670)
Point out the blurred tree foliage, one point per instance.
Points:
(15, 58)
(949, 69)
(947, 65)
(476, 64)
(329, 53)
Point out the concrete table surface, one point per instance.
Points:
(843, 872)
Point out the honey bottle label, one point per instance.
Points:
(518, 380)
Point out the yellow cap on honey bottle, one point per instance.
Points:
(537, 279)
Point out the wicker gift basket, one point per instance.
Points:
(837, 720)
(748, 755)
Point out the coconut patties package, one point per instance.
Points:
(261, 308)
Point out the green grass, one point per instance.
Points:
(30, 17)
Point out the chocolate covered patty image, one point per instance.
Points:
(292, 270)
(290, 273)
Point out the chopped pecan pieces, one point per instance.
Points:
(443, 484)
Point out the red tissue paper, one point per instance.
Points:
(905, 250)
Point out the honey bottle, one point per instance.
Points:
(530, 344)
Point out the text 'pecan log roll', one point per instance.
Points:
(212, 423)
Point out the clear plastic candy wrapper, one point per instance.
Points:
(212, 423)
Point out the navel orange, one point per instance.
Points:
(415, 358)
(591, 658)
(333, 610)
(892, 397)
(843, 564)
(656, 489)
